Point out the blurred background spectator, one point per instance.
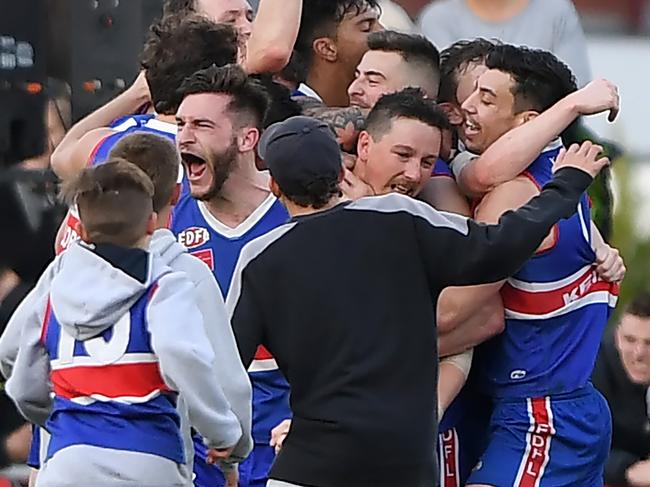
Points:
(622, 375)
(552, 25)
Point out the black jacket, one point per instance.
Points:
(630, 422)
(345, 301)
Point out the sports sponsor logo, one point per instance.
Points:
(538, 443)
(449, 458)
(193, 237)
(206, 256)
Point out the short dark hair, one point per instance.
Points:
(115, 201)
(541, 79)
(416, 50)
(295, 71)
(157, 157)
(409, 103)
(457, 58)
(179, 45)
(640, 305)
(320, 18)
(249, 99)
(281, 104)
(318, 194)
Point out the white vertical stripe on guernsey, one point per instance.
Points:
(529, 434)
(583, 224)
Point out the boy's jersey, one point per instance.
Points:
(219, 247)
(556, 309)
(108, 391)
(121, 128)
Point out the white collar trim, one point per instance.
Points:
(309, 91)
(244, 227)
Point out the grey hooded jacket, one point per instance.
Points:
(88, 294)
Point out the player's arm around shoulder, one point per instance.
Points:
(186, 359)
(72, 156)
(508, 196)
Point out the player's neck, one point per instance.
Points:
(297, 210)
(166, 118)
(330, 85)
(164, 215)
(243, 192)
(497, 10)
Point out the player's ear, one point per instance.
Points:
(82, 232)
(275, 189)
(453, 112)
(363, 147)
(176, 194)
(152, 223)
(248, 139)
(325, 48)
(527, 116)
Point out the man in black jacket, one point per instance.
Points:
(622, 375)
(342, 297)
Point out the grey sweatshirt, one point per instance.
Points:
(552, 25)
(88, 295)
(230, 372)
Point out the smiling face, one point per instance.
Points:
(489, 111)
(633, 343)
(400, 160)
(207, 142)
(378, 73)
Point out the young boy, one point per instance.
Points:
(116, 335)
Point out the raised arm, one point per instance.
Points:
(72, 154)
(274, 34)
(514, 151)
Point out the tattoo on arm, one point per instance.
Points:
(346, 122)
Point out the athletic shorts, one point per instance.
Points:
(556, 441)
(462, 437)
(253, 472)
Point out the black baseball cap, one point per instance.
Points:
(299, 152)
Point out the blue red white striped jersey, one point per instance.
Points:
(219, 247)
(121, 128)
(556, 309)
(108, 391)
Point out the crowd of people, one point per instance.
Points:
(304, 250)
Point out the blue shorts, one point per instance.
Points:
(556, 441)
(253, 472)
(462, 436)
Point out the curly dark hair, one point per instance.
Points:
(320, 18)
(410, 103)
(455, 59)
(318, 194)
(541, 79)
(640, 305)
(249, 99)
(178, 46)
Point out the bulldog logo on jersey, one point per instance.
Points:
(193, 237)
